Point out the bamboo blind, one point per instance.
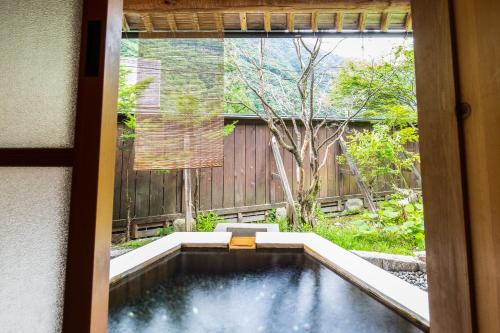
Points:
(179, 123)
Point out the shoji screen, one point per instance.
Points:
(39, 54)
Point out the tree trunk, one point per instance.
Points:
(308, 204)
(187, 200)
(128, 203)
(354, 170)
(292, 216)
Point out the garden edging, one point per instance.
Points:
(394, 262)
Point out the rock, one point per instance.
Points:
(352, 205)
(179, 225)
(281, 213)
(420, 255)
(418, 278)
(400, 263)
(118, 252)
(390, 262)
(421, 259)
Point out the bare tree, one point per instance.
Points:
(305, 106)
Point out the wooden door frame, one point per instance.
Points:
(449, 266)
(92, 159)
(89, 234)
(448, 244)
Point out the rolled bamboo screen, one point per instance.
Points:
(179, 123)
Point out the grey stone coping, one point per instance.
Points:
(403, 297)
(393, 262)
(246, 229)
(134, 260)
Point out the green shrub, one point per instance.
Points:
(165, 231)
(137, 243)
(207, 221)
(402, 216)
(282, 222)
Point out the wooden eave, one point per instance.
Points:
(191, 18)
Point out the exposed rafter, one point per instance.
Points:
(243, 21)
(384, 21)
(146, 20)
(339, 22)
(408, 22)
(290, 22)
(196, 22)
(267, 21)
(219, 22)
(171, 22)
(125, 26)
(362, 21)
(314, 21)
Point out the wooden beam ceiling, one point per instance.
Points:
(280, 16)
(286, 6)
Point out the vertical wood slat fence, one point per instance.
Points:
(248, 177)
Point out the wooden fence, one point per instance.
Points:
(247, 178)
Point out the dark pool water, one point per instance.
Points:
(246, 291)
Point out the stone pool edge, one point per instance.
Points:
(408, 300)
(133, 261)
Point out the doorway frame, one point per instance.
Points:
(92, 159)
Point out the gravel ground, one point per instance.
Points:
(418, 278)
(116, 252)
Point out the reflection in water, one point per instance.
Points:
(245, 291)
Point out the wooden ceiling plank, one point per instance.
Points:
(339, 22)
(314, 21)
(290, 22)
(384, 21)
(286, 6)
(171, 22)
(267, 21)
(408, 22)
(146, 20)
(362, 21)
(243, 21)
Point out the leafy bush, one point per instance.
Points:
(381, 153)
(272, 218)
(401, 216)
(136, 243)
(165, 231)
(207, 221)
